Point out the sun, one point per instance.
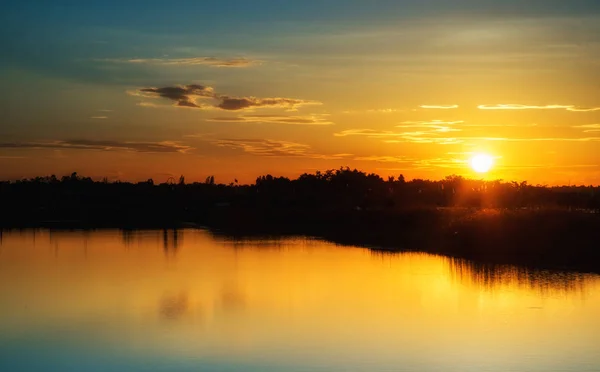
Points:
(481, 163)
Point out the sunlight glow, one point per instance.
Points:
(481, 163)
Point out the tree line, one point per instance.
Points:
(337, 189)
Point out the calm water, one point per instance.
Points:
(187, 301)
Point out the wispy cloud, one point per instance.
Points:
(414, 163)
(374, 111)
(432, 122)
(148, 147)
(385, 111)
(436, 137)
(439, 107)
(193, 61)
(385, 159)
(99, 117)
(583, 109)
(481, 126)
(416, 138)
(275, 148)
(536, 107)
(371, 133)
(440, 126)
(440, 163)
(541, 139)
(276, 119)
(148, 104)
(588, 128)
(265, 147)
(187, 96)
(547, 166)
(401, 137)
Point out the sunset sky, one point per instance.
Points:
(138, 89)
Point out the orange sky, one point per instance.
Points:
(404, 89)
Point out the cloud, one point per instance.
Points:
(547, 166)
(148, 104)
(588, 128)
(583, 109)
(443, 126)
(266, 147)
(439, 163)
(434, 137)
(374, 111)
(402, 137)
(234, 104)
(371, 133)
(414, 163)
(385, 159)
(439, 107)
(276, 119)
(534, 107)
(184, 95)
(99, 117)
(385, 111)
(193, 61)
(542, 139)
(275, 148)
(436, 125)
(188, 95)
(420, 139)
(148, 147)
(482, 126)
(433, 122)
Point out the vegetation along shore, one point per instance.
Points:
(486, 221)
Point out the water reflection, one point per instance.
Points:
(491, 277)
(173, 306)
(233, 299)
(198, 302)
(171, 238)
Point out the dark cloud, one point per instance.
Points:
(234, 104)
(184, 96)
(184, 103)
(148, 147)
(187, 95)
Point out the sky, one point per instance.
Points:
(236, 89)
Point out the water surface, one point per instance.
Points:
(188, 301)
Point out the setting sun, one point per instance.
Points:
(481, 163)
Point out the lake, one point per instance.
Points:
(188, 300)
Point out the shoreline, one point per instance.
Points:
(543, 239)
